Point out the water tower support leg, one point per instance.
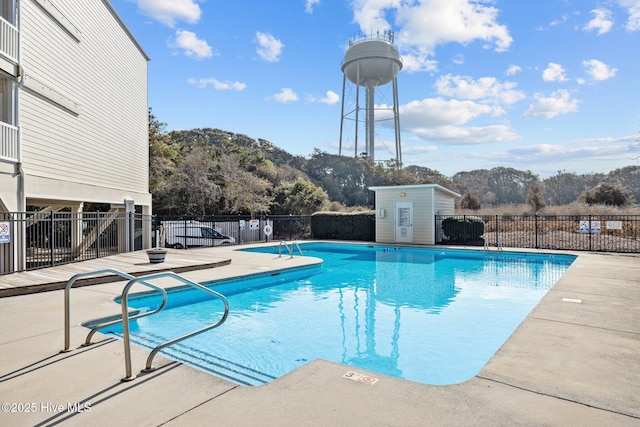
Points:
(344, 82)
(370, 121)
(396, 122)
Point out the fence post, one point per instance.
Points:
(590, 233)
(98, 235)
(464, 229)
(52, 244)
(536, 217)
(289, 226)
(497, 231)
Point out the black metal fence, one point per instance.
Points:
(53, 238)
(48, 238)
(597, 233)
(244, 229)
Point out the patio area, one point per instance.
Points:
(575, 360)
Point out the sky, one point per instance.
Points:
(544, 85)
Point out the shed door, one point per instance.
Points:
(404, 222)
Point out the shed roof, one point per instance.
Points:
(418, 186)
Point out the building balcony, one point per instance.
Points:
(8, 143)
(9, 36)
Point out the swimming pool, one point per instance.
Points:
(427, 315)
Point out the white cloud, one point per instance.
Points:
(601, 21)
(453, 135)
(438, 112)
(417, 150)
(513, 69)
(286, 95)
(193, 46)
(554, 73)
(633, 9)
(458, 59)
(563, 153)
(606, 140)
(269, 47)
(309, 5)
(217, 85)
(330, 98)
(560, 21)
(483, 89)
(423, 25)
(555, 23)
(169, 12)
(418, 61)
(560, 102)
(598, 70)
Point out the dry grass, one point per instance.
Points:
(571, 209)
(558, 227)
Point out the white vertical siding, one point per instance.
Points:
(422, 218)
(444, 205)
(102, 144)
(385, 232)
(427, 201)
(421, 198)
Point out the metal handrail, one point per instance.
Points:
(289, 248)
(498, 245)
(125, 317)
(280, 248)
(67, 305)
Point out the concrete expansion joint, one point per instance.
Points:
(557, 397)
(199, 405)
(600, 328)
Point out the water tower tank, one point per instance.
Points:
(370, 62)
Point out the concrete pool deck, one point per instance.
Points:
(575, 360)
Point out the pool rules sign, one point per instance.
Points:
(5, 232)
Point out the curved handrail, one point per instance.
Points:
(125, 317)
(137, 316)
(67, 304)
(289, 248)
(282, 242)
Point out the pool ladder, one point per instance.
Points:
(290, 247)
(498, 245)
(144, 280)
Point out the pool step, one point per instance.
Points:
(202, 360)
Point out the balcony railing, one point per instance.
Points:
(8, 40)
(8, 143)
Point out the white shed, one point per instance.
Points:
(406, 213)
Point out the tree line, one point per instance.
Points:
(211, 172)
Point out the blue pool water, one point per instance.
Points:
(426, 315)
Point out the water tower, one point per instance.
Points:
(370, 62)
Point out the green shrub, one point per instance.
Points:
(359, 226)
(467, 228)
(610, 194)
(470, 201)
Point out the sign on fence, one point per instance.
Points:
(5, 232)
(614, 225)
(595, 226)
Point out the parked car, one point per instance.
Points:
(181, 235)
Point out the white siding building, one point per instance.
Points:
(73, 108)
(406, 213)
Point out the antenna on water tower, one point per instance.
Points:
(370, 62)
